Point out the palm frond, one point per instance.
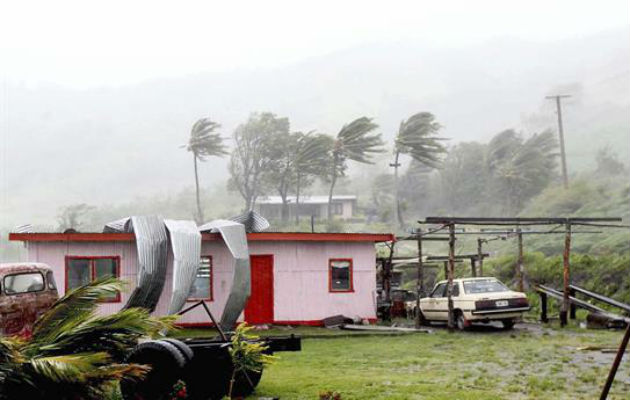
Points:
(418, 137)
(67, 368)
(355, 142)
(204, 141)
(76, 305)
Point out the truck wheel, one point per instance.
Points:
(166, 363)
(508, 324)
(460, 321)
(182, 347)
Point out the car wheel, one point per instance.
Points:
(508, 324)
(423, 320)
(460, 321)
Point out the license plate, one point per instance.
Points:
(501, 303)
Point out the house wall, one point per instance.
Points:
(301, 293)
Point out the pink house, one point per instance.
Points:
(297, 278)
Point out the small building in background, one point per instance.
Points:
(297, 278)
(343, 206)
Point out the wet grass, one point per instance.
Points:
(527, 363)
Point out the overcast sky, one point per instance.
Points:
(85, 44)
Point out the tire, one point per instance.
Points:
(167, 364)
(423, 320)
(183, 348)
(460, 321)
(508, 324)
(242, 387)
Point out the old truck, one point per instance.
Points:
(26, 291)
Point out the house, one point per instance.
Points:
(342, 206)
(296, 278)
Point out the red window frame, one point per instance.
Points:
(211, 277)
(351, 271)
(91, 259)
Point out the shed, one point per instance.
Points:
(297, 278)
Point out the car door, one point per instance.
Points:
(442, 302)
(430, 304)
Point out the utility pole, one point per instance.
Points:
(451, 275)
(566, 257)
(563, 155)
(480, 242)
(519, 263)
(397, 213)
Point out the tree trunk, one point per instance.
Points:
(332, 187)
(297, 200)
(284, 211)
(401, 222)
(199, 212)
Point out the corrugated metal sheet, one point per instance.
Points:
(186, 245)
(120, 225)
(235, 238)
(252, 221)
(151, 243)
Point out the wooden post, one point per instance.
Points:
(445, 269)
(572, 308)
(566, 274)
(419, 282)
(543, 307)
(473, 266)
(519, 263)
(480, 255)
(616, 362)
(451, 273)
(387, 283)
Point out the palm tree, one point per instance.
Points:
(73, 353)
(313, 156)
(417, 137)
(204, 142)
(354, 143)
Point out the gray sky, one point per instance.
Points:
(84, 44)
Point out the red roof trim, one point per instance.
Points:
(260, 236)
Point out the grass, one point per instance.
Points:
(528, 363)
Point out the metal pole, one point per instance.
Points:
(565, 177)
(480, 255)
(420, 282)
(451, 272)
(519, 264)
(473, 266)
(566, 274)
(616, 362)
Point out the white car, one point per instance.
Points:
(474, 300)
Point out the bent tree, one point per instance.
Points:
(204, 142)
(353, 142)
(418, 138)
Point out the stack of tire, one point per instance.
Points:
(206, 372)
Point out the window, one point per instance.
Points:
(50, 278)
(340, 275)
(83, 270)
(336, 208)
(455, 291)
(439, 290)
(484, 286)
(202, 286)
(23, 283)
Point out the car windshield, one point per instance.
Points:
(484, 286)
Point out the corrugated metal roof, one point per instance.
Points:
(304, 199)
